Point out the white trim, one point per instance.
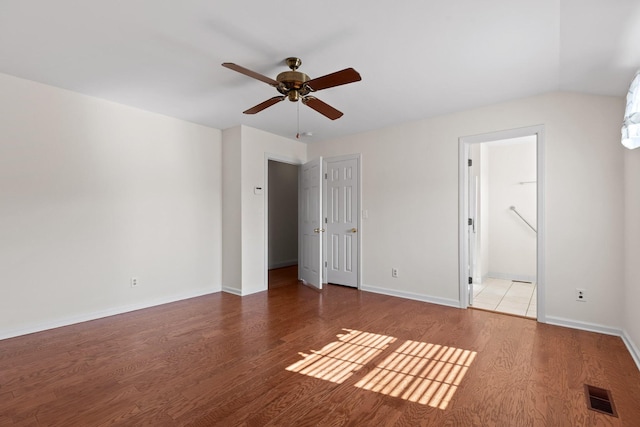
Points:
(86, 317)
(601, 329)
(240, 293)
(583, 326)
(556, 321)
(463, 171)
(410, 295)
(633, 350)
(463, 207)
(233, 291)
(541, 281)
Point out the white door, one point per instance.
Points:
(472, 223)
(310, 224)
(341, 221)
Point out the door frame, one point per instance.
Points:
(358, 158)
(464, 144)
(298, 162)
(281, 159)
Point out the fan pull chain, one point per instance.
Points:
(298, 112)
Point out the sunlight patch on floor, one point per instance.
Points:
(340, 359)
(420, 372)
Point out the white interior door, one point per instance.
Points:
(341, 222)
(472, 223)
(310, 223)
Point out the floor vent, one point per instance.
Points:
(600, 400)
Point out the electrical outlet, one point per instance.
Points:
(581, 295)
(134, 282)
(394, 272)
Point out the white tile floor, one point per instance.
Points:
(506, 296)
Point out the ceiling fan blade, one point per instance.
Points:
(252, 74)
(322, 107)
(348, 75)
(268, 103)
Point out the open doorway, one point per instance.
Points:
(282, 223)
(315, 246)
(502, 234)
(501, 224)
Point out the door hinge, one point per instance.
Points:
(325, 176)
(325, 219)
(325, 264)
(470, 221)
(469, 162)
(470, 281)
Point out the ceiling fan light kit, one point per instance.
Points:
(631, 123)
(296, 86)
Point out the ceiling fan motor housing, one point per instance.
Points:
(292, 84)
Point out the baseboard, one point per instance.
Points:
(411, 295)
(242, 293)
(283, 264)
(86, 317)
(584, 326)
(593, 327)
(633, 349)
(230, 290)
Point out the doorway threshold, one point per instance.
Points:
(506, 296)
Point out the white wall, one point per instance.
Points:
(231, 210)
(632, 251)
(93, 193)
(256, 145)
(512, 244)
(248, 217)
(283, 214)
(410, 189)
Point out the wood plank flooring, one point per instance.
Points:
(294, 356)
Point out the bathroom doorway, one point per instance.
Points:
(500, 237)
(503, 207)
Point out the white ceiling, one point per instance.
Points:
(417, 58)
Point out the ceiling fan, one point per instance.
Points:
(297, 86)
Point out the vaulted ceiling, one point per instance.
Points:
(417, 58)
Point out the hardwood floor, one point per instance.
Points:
(283, 276)
(294, 356)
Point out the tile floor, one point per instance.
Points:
(506, 296)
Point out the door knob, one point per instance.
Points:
(354, 230)
(318, 230)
